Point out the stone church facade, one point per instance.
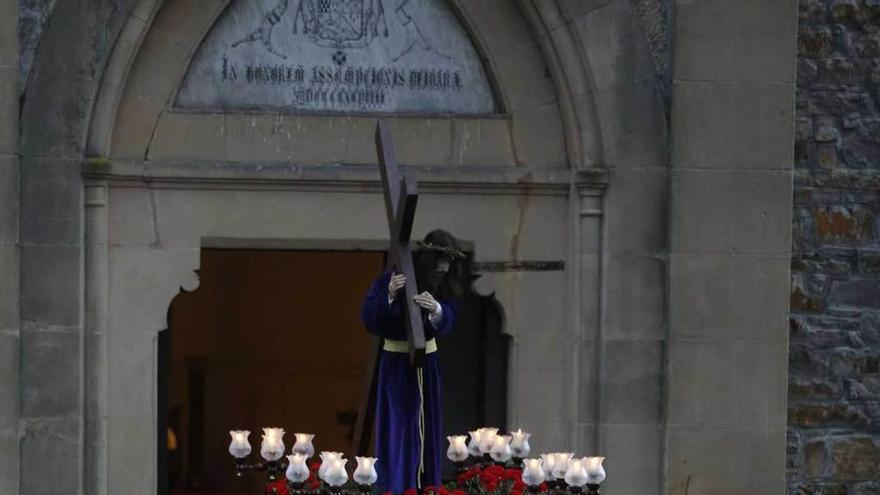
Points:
(648, 147)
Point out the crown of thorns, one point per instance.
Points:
(447, 251)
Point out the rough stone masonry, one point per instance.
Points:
(834, 369)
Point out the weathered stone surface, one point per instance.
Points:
(636, 223)
(9, 460)
(855, 362)
(618, 53)
(815, 42)
(793, 454)
(634, 310)
(817, 489)
(869, 488)
(817, 388)
(416, 58)
(634, 131)
(50, 368)
(808, 292)
(757, 451)
(50, 450)
(633, 382)
(830, 260)
(9, 287)
(856, 458)
(826, 415)
(700, 369)
(51, 192)
(32, 18)
(864, 388)
(814, 458)
(708, 294)
(9, 199)
(50, 283)
(632, 448)
(703, 114)
(742, 41)
(857, 293)
(730, 211)
(9, 377)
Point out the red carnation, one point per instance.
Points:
(276, 488)
(542, 487)
(512, 474)
(458, 492)
(515, 492)
(314, 484)
(411, 491)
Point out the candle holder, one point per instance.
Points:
(297, 488)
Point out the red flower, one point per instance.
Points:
(315, 465)
(411, 491)
(519, 486)
(542, 487)
(512, 474)
(515, 492)
(276, 488)
(428, 489)
(458, 492)
(443, 490)
(314, 484)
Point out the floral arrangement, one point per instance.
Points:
(478, 480)
(491, 464)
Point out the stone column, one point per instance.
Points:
(9, 277)
(729, 236)
(96, 338)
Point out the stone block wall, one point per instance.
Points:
(834, 363)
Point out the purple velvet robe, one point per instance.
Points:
(397, 395)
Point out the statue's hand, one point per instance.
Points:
(398, 280)
(427, 301)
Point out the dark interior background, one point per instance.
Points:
(274, 338)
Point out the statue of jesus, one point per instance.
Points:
(409, 430)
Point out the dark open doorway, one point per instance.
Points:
(272, 337)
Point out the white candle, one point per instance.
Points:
(457, 451)
(474, 445)
(533, 472)
(304, 445)
(549, 463)
(365, 472)
(500, 450)
(297, 470)
(519, 444)
(239, 447)
(576, 474)
(272, 447)
(336, 474)
(487, 439)
(595, 471)
(561, 466)
(326, 463)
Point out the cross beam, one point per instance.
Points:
(400, 206)
(401, 198)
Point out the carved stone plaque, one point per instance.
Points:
(338, 56)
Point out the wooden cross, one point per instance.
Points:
(400, 206)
